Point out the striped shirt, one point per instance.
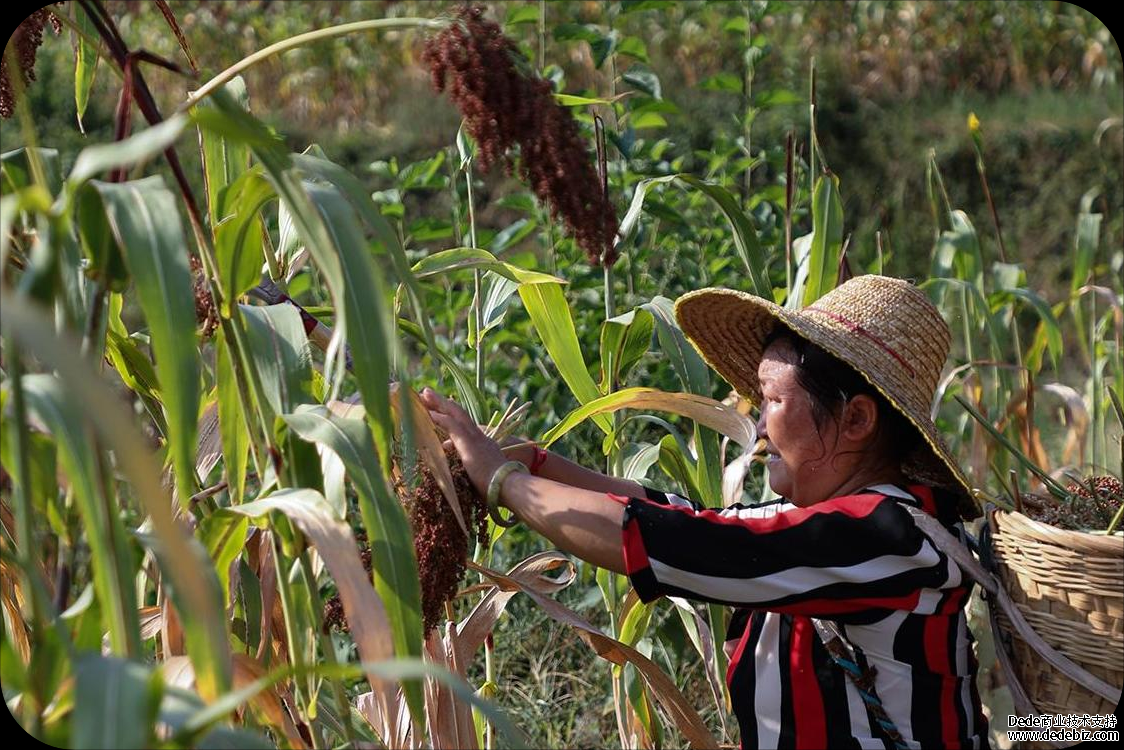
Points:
(859, 561)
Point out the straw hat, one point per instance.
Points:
(885, 328)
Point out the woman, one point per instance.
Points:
(850, 624)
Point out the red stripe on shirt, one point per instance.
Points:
(939, 661)
(824, 607)
(928, 502)
(635, 556)
(811, 724)
(855, 506)
(738, 651)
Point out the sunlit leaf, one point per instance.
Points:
(145, 222)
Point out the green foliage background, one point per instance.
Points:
(710, 89)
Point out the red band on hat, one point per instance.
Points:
(856, 328)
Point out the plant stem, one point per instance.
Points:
(747, 123)
(93, 338)
(478, 298)
(542, 35)
(1055, 489)
(25, 537)
(1112, 526)
(328, 650)
(789, 188)
(295, 657)
(812, 129)
(990, 203)
(300, 40)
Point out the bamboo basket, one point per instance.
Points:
(1069, 585)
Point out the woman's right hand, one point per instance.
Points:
(480, 454)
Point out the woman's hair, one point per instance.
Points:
(831, 383)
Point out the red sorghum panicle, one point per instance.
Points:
(333, 618)
(439, 543)
(502, 107)
(25, 41)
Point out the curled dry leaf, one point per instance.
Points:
(677, 706)
(429, 446)
(268, 704)
(310, 512)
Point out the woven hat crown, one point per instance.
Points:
(885, 328)
(891, 332)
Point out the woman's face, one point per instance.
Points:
(800, 452)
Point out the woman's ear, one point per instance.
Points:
(860, 420)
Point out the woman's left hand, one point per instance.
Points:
(480, 454)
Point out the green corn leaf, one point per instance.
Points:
(42, 482)
(1046, 317)
(138, 148)
(634, 624)
(551, 317)
(801, 250)
(957, 252)
(363, 300)
(638, 459)
(224, 159)
(460, 258)
(116, 703)
(279, 350)
(678, 466)
(827, 239)
(111, 559)
(17, 169)
(393, 563)
(137, 373)
(224, 538)
(232, 424)
(624, 340)
(197, 591)
(1086, 240)
(498, 291)
(570, 100)
(145, 221)
(85, 63)
(385, 235)
(98, 243)
(689, 366)
(238, 238)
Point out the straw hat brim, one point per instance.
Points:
(729, 328)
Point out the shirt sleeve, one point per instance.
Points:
(844, 555)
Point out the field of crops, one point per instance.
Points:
(238, 239)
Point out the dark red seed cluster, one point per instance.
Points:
(1087, 510)
(502, 107)
(205, 313)
(440, 545)
(24, 42)
(333, 618)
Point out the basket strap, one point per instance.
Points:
(963, 557)
(846, 656)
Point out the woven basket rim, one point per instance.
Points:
(1083, 541)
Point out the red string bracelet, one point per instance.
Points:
(538, 460)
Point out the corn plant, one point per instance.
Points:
(203, 520)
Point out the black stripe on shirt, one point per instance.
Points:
(786, 740)
(743, 683)
(749, 548)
